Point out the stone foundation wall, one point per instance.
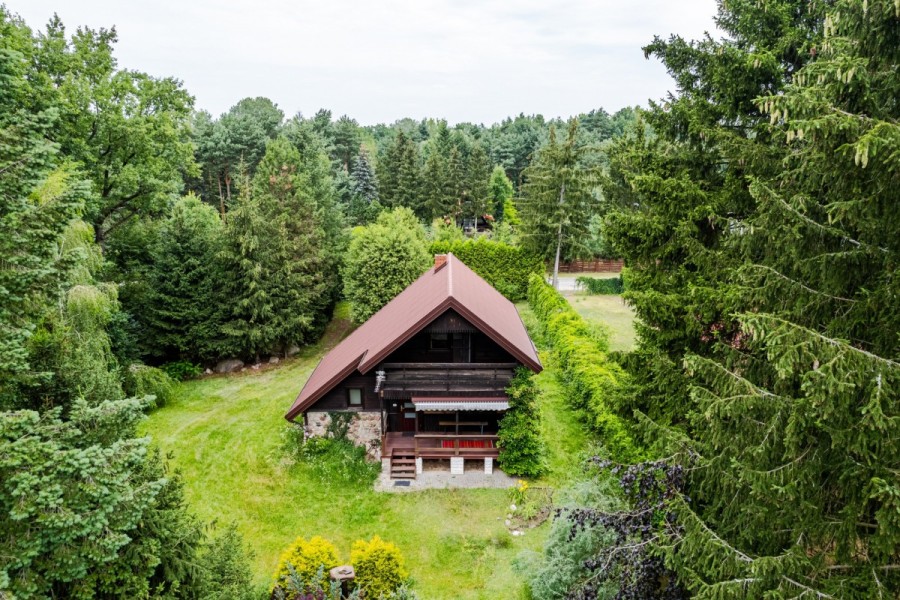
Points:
(364, 430)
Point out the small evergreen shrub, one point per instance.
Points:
(308, 561)
(141, 380)
(521, 448)
(379, 566)
(182, 370)
(594, 285)
(505, 267)
(592, 380)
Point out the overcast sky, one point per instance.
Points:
(379, 61)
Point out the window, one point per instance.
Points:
(440, 341)
(354, 396)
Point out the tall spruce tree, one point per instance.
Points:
(557, 198)
(399, 174)
(763, 247)
(364, 205)
(477, 201)
(275, 251)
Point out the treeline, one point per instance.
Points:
(757, 216)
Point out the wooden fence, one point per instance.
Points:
(597, 265)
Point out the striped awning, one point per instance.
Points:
(449, 403)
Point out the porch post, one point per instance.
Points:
(457, 422)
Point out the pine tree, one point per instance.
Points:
(478, 172)
(399, 176)
(557, 198)
(364, 205)
(434, 193)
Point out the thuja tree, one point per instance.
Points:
(791, 416)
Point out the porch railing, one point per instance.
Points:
(438, 445)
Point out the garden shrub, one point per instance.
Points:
(594, 285)
(141, 380)
(521, 448)
(308, 561)
(379, 566)
(182, 370)
(591, 379)
(505, 267)
(336, 461)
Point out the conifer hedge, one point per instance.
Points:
(591, 378)
(505, 267)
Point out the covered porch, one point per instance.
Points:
(436, 428)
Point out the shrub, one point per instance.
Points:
(594, 285)
(336, 461)
(383, 258)
(182, 370)
(379, 566)
(505, 267)
(521, 449)
(591, 379)
(141, 380)
(309, 560)
(225, 572)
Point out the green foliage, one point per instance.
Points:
(141, 381)
(379, 566)
(399, 176)
(500, 194)
(225, 563)
(76, 490)
(183, 311)
(592, 379)
(382, 260)
(278, 261)
(182, 370)
(595, 285)
(310, 560)
(557, 198)
(335, 460)
(521, 448)
(445, 231)
(364, 205)
(762, 247)
(560, 569)
(505, 267)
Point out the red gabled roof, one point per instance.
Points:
(449, 285)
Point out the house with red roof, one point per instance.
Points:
(425, 377)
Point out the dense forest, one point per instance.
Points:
(757, 424)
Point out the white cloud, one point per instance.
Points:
(380, 61)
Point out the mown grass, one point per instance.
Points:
(224, 434)
(612, 312)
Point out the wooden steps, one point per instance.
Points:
(403, 464)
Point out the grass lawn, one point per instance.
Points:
(609, 310)
(223, 434)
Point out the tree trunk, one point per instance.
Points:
(221, 197)
(562, 198)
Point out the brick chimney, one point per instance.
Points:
(439, 261)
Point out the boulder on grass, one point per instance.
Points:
(229, 365)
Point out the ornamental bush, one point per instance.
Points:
(592, 380)
(310, 560)
(521, 448)
(379, 566)
(594, 285)
(505, 267)
(141, 380)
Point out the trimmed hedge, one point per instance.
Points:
(505, 267)
(594, 285)
(521, 447)
(591, 378)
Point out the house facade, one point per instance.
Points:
(426, 376)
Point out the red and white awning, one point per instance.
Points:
(449, 403)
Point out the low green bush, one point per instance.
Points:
(591, 379)
(141, 380)
(336, 460)
(182, 370)
(521, 447)
(379, 566)
(505, 267)
(594, 285)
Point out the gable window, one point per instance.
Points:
(440, 341)
(354, 396)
